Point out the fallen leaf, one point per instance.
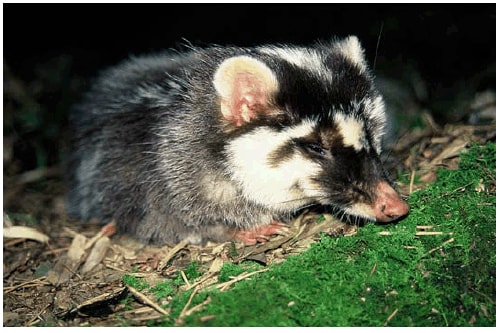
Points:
(25, 232)
(66, 267)
(96, 255)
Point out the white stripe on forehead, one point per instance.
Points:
(351, 130)
(304, 58)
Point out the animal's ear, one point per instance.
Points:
(245, 86)
(351, 48)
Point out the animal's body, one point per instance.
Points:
(212, 142)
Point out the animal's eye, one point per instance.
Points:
(316, 149)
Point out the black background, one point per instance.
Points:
(445, 41)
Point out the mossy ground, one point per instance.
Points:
(435, 268)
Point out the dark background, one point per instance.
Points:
(51, 51)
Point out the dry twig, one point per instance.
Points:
(172, 252)
(440, 246)
(223, 286)
(144, 299)
(390, 317)
(30, 283)
(185, 312)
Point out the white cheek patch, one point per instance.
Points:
(351, 130)
(280, 187)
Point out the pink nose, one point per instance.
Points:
(388, 205)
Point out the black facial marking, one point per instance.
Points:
(281, 154)
(304, 94)
(330, 136)
(350, 176)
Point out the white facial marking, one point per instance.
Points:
(377, 113)
(282, 187)
(304, 58)
(361, 210)
(352, 131)
(352, 50)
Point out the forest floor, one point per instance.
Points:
(61, 273)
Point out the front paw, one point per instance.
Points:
(261, 233)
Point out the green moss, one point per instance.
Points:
(135, 282)
(320, 218)
(192, 271)
(163, 289)
(127, 302)
(370, 279)
(229, 270)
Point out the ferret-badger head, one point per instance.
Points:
(211, 143)
(308, 125)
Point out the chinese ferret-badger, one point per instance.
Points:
(228, 143)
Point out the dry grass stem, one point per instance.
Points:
(390, 317)
(145, 300)
(223, 286)
(32, 283)
(441, 246)
(172, 253)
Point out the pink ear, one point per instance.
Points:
(245, 86)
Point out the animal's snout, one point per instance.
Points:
(388, 205)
